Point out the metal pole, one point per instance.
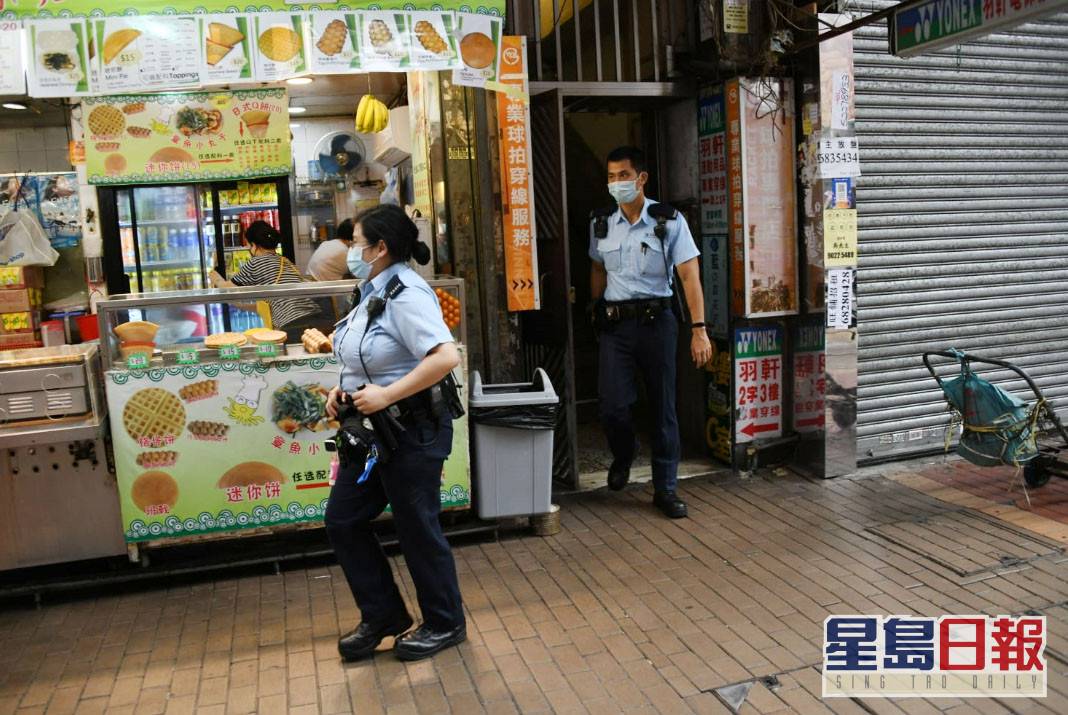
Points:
(597, 36)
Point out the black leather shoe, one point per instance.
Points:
(670, 504)
(424, 642)
(363, 641)
(618, 475)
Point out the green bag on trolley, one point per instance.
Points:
(997, 427)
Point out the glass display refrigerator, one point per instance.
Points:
(170, 237)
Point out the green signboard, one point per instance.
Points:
(932, 24)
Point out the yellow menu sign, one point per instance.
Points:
(183, 137)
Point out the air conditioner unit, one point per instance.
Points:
(393, 144)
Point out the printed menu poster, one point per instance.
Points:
(280, 49)
(238, 445)
(144, 53)
(59, 58)
(332, 42)
(433, 41)
(383, 41)
(227, 55)
(479, 38)
(13, 78)
(181, 137)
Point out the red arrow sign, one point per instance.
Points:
(811, 422)
(752, 428)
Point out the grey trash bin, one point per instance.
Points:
(513, 446)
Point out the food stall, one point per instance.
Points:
(181, 134)
(229, 440)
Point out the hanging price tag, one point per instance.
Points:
(267, 350)
(188, 356)
(137, 361)
(229, 352)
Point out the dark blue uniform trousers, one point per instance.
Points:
(411, 485)
(630, 347)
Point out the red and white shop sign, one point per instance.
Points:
(757, 383)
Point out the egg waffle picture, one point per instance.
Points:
(133, 108)
(199, 390)
(209, 431)
(153, 414)
(379, 33)
(333, 38)
(155, 460)
(107, 146)
(106, 121)
(429, 38)
(279, 44)
(140, 132)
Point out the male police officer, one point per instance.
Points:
(633, 250)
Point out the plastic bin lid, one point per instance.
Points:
(537, 392)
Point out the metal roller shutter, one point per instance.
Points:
(963, 216)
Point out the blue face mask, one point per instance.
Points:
(357, 266)
(623, 191)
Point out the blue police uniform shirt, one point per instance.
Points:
(407, 330)
(633, 256)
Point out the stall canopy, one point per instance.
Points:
(72, 48)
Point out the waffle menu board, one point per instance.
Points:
(77, 56)
(193, 136)
(238, 445)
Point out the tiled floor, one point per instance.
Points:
(623, 611)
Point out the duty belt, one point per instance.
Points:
(634, 309)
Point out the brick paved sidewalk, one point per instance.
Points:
(623, 611)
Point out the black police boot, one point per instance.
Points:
(670, 504)
(362, 642)
(424, 642)
(619, 472)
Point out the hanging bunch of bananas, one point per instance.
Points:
(372, 116)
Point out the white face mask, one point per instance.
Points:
(623, 191)
(358, 267)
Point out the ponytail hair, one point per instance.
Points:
(391, 224)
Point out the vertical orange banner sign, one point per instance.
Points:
(517, 185)
(736, 198)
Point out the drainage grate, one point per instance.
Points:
(966, 542)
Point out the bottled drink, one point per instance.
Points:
(148, 245)
(174, 246)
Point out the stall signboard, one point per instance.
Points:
(210, 448)
(810, 364)
(99, 8)
(758, 379)
(175, 47)
(513, 121)
(712, 139)
(762, 198)
(927, 26)
(196, 136)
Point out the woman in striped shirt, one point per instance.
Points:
(266, 267)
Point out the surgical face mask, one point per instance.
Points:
(357, 266)
(623, 191)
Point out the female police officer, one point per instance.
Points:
(391, 356)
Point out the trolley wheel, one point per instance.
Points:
(1036, 473)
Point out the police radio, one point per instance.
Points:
(600, 221)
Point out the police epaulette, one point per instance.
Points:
(603, 212)
(664, 211)
(394, 288)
